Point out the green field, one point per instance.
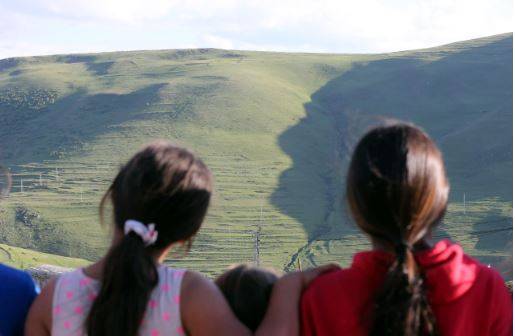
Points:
(23, 258)
(277, 130)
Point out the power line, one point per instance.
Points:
(441, 235)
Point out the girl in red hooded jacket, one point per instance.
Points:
(397, 192)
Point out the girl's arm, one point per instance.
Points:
(282, 315)
(39, 319)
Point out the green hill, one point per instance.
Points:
(277, 130)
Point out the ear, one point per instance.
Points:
(180, 248)
(185, 244)
(161, 255)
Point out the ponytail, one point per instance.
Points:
(129, 276)
(402, 307)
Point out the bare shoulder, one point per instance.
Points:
(195, 285)
(39, 319)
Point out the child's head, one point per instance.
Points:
(162, 185)
(247, 290)
(397, 191)
(396, 185)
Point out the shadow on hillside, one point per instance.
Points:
(493, 232)
(39, 136)
(456, 98)
(69, 123)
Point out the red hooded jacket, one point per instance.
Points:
(467, 297)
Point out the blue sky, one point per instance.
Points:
(41, 27)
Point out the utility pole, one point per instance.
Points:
(257, 239)
(40, 180)
(256, 248)
(21, 184)
(261, 215)
(464, 205)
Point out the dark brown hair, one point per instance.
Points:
(397, 191)
(247, 290)
(161, 184)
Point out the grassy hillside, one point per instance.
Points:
(23, 258)
(276, 129)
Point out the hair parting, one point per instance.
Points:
(397, 191)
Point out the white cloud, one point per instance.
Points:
(213, 41)
(110, 10)
(294, 25)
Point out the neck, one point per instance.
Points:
(96, 269)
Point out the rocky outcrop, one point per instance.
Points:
(43, 273)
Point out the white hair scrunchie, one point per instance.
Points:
(147, 232)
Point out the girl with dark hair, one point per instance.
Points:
(397, 191)
(159, 199)
(247, 290)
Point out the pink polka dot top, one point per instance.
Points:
(75, 292)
